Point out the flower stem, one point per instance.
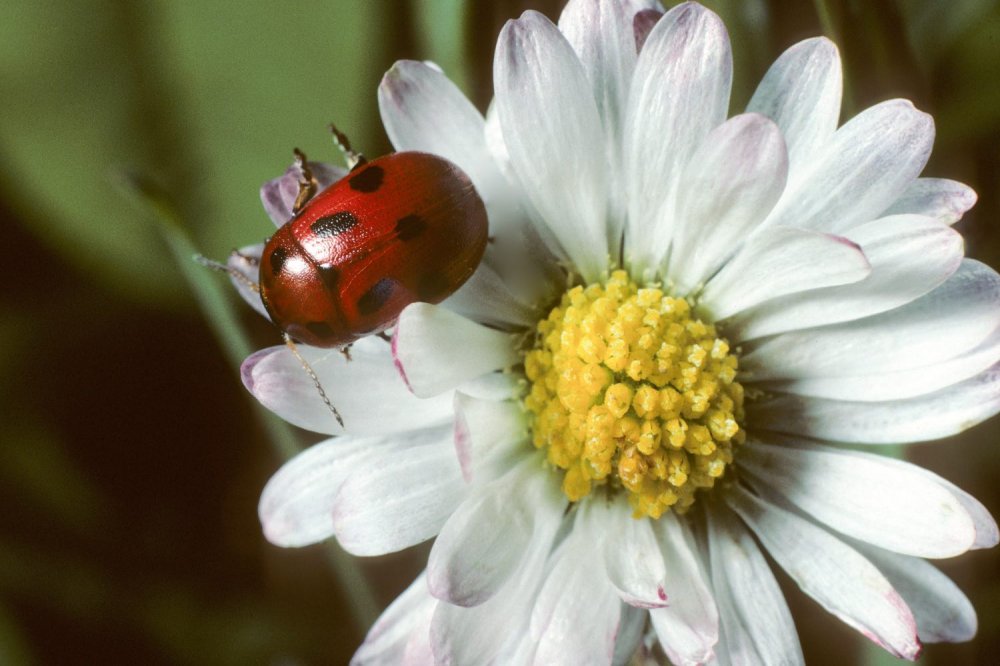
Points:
(224, 322)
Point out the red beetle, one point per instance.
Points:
(403, 228)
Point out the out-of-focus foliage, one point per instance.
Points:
(209, 97)
(130, 458)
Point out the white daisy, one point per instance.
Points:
(680, 320)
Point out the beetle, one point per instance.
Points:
(402, 228)
(399, 229)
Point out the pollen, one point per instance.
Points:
(632, 393)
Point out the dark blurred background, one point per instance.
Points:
(131, 458)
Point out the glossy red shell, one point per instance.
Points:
(403, 228)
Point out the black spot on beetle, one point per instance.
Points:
(368, 180)
(409, 227)
(320, 329)
(433, 287)
(329, 275)
(333, 225)
(377, 296)
(278, 256)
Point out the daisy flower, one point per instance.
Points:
(681, 320)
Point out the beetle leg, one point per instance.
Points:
(354, 160)
(346, 351)
(385, 336)
(229, 270)
(247, 259)
(307, 182)
(312, 375)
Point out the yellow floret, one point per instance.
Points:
(629, 391)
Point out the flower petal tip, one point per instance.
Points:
(396, 360)
(248, 366)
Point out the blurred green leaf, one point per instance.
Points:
(35, 466)
(439, 33)
(13, 647)
(69, 96)
(212, 97)
(188, 625)
(211, 291)
(970, 107)
(935, 27)
(877, 63)
(250, 82)
(748, 23)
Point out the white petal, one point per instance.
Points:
(757, 624)
(484, 541)
(896, 385)
(496, 145)
(296, 505)
(436, 349)
(496, 386)
(278, 195)
(860, 171)
(951, 320)
(392, 634)
(779, 261)
(631, 627)
(521, 650)
(679, 93)
(486, 298)
(367, 390)
(924, 418)
(246, 262)
(632, 557)
(423, 110)
(419, 651)
(602, 35)
(942, 199)
(576, 614)
(532, 259)
(832, 573)
(729, 186)
(801, 93)
(909, 255)
(530, 262)
(393, 502)
(489, 436)
(886, 502)
(942, 611)
(550, 121)
(493, 632)
(689, 626)
(987, 532)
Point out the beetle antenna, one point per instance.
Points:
(312, 375)
(307, 182)
(229, 270)
(354, 159)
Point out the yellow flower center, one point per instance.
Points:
(630, 391)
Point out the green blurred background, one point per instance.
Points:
(131, 459)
